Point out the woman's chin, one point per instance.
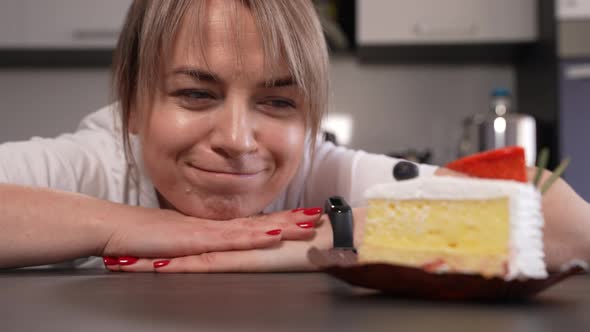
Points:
(217, 215)
(219, 209)
(213, 206)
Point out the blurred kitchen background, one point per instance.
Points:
(407, 75)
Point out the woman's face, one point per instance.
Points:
(221, 140)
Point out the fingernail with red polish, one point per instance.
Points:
(128, 260)
(108, 260)
(297, 210)
(162, 263)
(274, 232)
(305, 224)
(312, 211)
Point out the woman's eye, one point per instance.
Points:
(194, 94)
(279, 103)
(194, 99)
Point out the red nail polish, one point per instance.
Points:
(162, 263)
(305, 224)
(312, 211)
(108, 260)
(128, 260)
(274, 232)
(297, 210)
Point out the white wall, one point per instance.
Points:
(399, 107)
(394, 107)
(48, 102)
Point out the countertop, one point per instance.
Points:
(102, 301)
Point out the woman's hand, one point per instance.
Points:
(165, 233)
(284, 256)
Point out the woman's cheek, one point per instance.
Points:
(174, 131)
(287, 142)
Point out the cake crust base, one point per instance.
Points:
(487, 265)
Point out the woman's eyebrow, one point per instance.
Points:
(278, 82)
(206, 76)
(197, 74)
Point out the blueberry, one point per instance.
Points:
(405, 170)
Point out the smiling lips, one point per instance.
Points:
(226, 172)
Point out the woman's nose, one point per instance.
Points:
(233, 135)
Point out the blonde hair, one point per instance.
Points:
(290, 30)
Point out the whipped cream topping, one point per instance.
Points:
(526, 258)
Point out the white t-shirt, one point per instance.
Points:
(91, 161)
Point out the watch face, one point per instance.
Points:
(337, 204)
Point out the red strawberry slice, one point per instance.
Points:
(506, 163)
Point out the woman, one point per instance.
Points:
(219, 105)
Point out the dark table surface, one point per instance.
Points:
(102, 301)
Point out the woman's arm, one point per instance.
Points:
(39, 226)
(42, 226)
(567, 224)
(285, 256)
(566, 237)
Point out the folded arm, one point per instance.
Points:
(42, 226)
(566, 237)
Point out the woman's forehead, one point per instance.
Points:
(227, 41)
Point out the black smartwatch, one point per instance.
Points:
(340, 215)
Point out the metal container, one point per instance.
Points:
(499, 128)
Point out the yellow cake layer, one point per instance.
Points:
(488, 265)
(468, 235)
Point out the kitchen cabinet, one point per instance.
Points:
(61, 24)
(574, 90)
(11, 18)
(435, 22)
(573, 9)
(573, 26)
(574, 121)
(553, 84)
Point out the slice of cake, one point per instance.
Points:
(459, 225)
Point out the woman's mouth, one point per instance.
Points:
(224, 179)
(228, 172)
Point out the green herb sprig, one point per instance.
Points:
(556, 175)
(542, 165)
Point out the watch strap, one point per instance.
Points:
(340, 214)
